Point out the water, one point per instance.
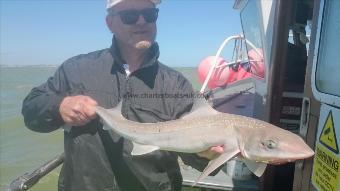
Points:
(22, 150)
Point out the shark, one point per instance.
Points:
(256, 142)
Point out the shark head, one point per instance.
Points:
(272, 145)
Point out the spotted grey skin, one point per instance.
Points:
(256, 141)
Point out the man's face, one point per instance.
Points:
(140, 34)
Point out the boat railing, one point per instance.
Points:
(29, 179)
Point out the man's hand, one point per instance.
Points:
(77, 110)
(211, 153)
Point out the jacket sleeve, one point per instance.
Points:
(41, 106)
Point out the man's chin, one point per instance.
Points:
(143, 45)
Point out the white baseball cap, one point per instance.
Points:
(111, 3)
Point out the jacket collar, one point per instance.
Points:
(150, 59)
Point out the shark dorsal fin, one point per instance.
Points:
(200, 108)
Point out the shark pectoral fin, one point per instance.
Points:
(214, 164)
(257, 168)
(139, 149)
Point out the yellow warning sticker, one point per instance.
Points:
(326, 174)
(328, 135)
(326, 165)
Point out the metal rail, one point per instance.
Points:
(29, 179)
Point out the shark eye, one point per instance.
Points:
(270, 144)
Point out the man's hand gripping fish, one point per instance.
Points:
(257, 142)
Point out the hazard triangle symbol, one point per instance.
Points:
(328, 136)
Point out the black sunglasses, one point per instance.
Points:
(131, 16)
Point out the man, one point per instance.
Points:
(100, 160)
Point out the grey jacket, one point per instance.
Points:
(101, 160)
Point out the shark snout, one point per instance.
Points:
(292, 152)
(307, 153)
(302, 150)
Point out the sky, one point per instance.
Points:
(47, 32)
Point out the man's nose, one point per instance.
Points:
(141, 20)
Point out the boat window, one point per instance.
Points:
(328, 66)
(250, 18)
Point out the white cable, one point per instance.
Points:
(253, 47)
(212, 68)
